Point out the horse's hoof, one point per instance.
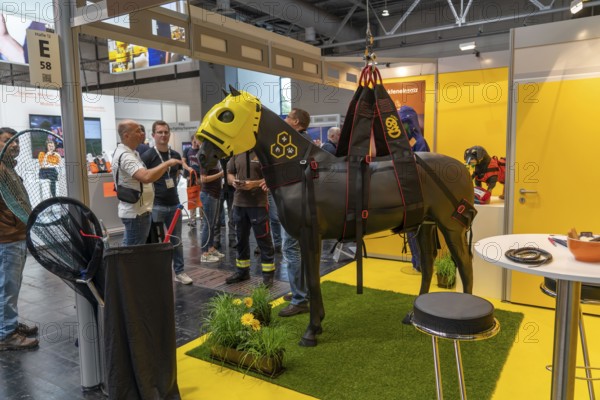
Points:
(304, 342)
(407, 319)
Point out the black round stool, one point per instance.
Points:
(590, 294)
(454, 316)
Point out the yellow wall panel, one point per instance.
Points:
(472, 111)
(555, 131)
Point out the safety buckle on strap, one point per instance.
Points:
(365, 214)
(368, 159)
(314, 165)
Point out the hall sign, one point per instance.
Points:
(44, 59)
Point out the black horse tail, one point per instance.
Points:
(464, 212)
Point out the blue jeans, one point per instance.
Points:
(276, 228)
(12, 261)
(292, 259)
(414, 251)
(136, 229)
(164, 215)
(209, 205)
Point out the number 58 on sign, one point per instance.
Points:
(44, 59)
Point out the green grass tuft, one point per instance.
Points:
(365, 352)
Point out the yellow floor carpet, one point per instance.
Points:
(524, 375)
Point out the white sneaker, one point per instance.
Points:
(183, 278)
(216, 253)
(208, 258)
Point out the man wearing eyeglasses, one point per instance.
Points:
(166, 198)
(130, 172)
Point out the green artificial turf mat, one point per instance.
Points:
(365, 352)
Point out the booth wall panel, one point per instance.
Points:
(472, 111)
(554, 134)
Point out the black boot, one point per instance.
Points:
(268, 278)
(242, 274)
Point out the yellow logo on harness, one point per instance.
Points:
(284, 146)
(393, 128)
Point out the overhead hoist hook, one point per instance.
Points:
(369, 56)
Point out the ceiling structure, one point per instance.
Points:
(413, 28)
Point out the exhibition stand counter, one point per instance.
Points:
(104, 202)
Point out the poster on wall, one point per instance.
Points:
(127, 57)
(13, 44)
(410, 94)
(53, 123)
(50, 123)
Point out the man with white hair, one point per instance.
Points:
(333, 137)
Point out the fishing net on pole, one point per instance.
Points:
(66, 238)
(32, 169)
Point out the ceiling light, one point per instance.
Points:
(467, 46)
(385, 12)
(576, 6)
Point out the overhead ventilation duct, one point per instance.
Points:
(310, 35)
(304, 15)
(224, 7)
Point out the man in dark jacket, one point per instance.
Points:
(13, 251)
(410, 119)
(333, 137)
(166, 199)
(299, 120)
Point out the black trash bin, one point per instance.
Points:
(139, 322)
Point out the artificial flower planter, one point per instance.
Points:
(270, 366)
(442, 282)
(245, 324)
(445, 270)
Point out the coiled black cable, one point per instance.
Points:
(529, 255)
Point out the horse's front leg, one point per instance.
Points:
(311, 265)
(428, 246)
(427, 242)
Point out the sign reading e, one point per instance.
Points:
(44, 59)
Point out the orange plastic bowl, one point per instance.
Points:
(584, 251)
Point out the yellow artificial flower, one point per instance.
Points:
(247, 319)
(248, 301)
(237, 302)
(255, 325)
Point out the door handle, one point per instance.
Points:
(525, 191)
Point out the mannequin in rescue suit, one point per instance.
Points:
(490, 170)
(50, 163)
(410, 120)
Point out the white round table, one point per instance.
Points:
(569, 274)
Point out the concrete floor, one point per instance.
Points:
(52, 371)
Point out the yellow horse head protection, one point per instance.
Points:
(232, 124)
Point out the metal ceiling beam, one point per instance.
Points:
(403, 18)
(344, 22)
(305, 15)
(453, 26)
(541, 6)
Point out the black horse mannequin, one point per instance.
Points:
(296, 169)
